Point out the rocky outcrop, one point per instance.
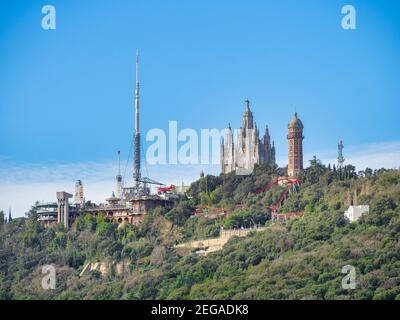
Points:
(206, 246)
(105, 268)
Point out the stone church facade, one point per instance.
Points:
(249, 149)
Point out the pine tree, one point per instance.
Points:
(1, 218)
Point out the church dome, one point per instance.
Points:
(295, 122)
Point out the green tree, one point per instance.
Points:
(3, 289)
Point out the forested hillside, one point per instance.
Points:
(301, 258)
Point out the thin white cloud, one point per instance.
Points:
(373, 155)
(22, 184)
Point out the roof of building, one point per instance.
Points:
(113, 198)
(295, 122)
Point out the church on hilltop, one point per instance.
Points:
(249, 149)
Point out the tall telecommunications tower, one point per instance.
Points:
(340, 154)
(136, 169)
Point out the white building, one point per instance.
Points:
(353, 213)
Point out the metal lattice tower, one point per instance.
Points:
(340, 154)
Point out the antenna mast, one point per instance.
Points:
(136, 164)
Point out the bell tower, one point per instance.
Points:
(295, 137)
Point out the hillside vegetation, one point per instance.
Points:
(298, 259)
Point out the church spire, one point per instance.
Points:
(248, 117)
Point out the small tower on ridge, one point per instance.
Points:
(118, 177)
(295, 137)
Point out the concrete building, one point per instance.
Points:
(295, 137)
(63, 214)
(249, 149)
(47, 212)
(353, 213)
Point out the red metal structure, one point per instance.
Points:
(291, 184)
(267, 187)
(162, 190)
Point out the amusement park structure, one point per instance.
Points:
(291, 185)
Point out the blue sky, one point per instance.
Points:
(66, 95)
